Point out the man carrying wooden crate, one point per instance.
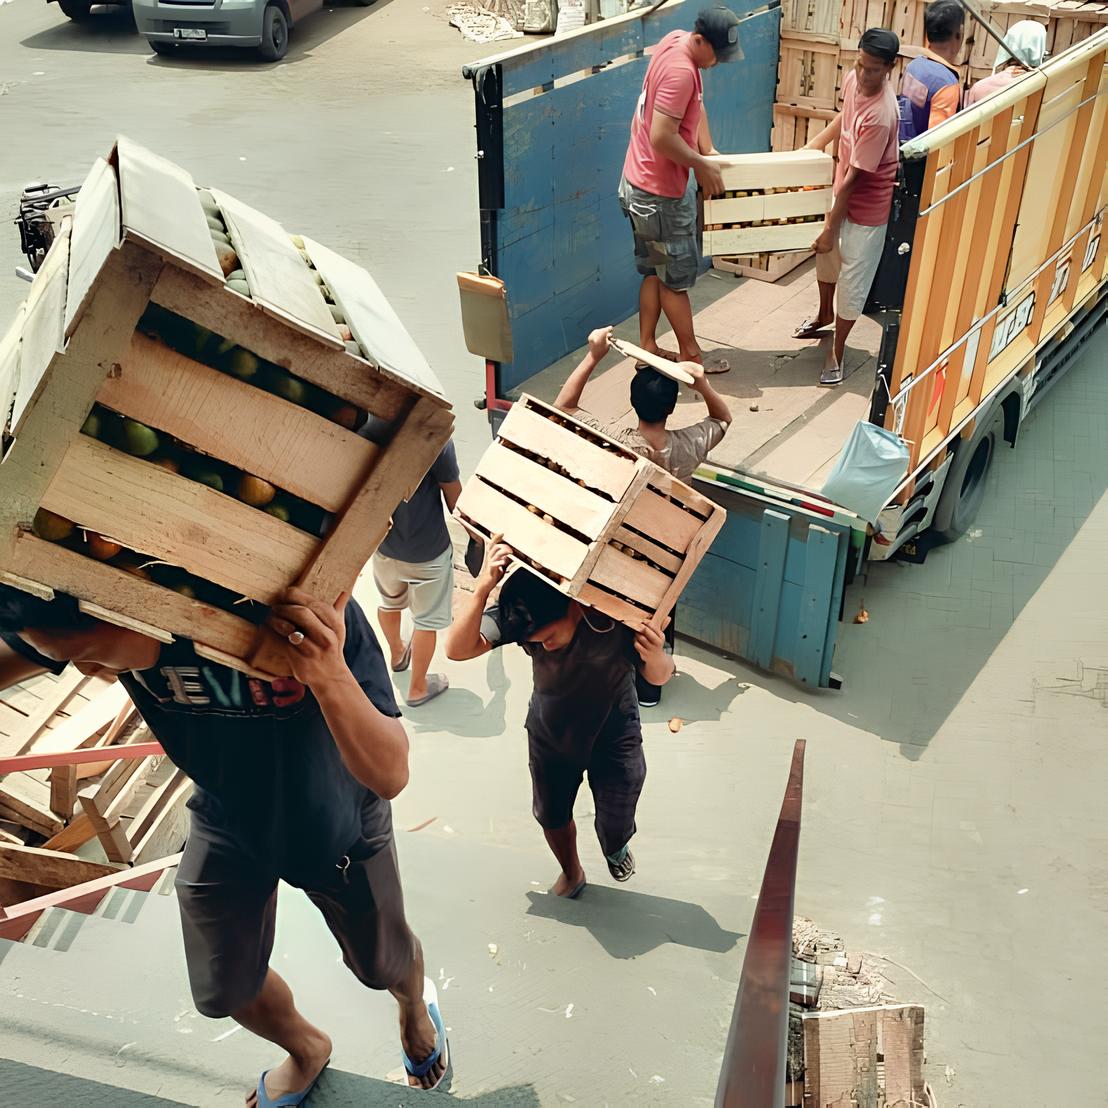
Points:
(583, 716)
(849, 247)
(680, 452)
(670, 136)
(293, 782)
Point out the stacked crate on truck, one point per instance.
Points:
(602, 524)
(182, 394)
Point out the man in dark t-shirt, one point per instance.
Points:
(584, 712)
(414, 569)
(293, 779)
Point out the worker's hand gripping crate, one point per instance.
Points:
(773, 202)
(601, 523)
(180, 395)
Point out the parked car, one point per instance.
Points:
(81, 9)
(262, 25)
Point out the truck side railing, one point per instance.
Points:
(1007, 244)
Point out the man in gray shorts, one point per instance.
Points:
(670, 136)
(414, 568)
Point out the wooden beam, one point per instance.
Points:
(55, 699)
(48, 867)
(25, 762)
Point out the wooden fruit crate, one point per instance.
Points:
(774, 202)
(602, 524)
(807, 71)
(793, 126)
(761, 267)
(178, 347)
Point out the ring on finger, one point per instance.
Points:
(296, 637)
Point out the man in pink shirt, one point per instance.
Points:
(670, 136)
(849, 246)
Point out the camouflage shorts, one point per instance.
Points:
(666, 241)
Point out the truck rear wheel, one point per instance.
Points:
(76, 9)
(965, 483)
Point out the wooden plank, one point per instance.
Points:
(583, 458)
(613, 606)
(161, 209)
(73, 836)
(9, 364)
(495, 513)
(162, 824)
(83, 725)
(777, 205)
(280, 282)
(43, 327)
(820, 555)
(657, 554)
(564, 500)
(50, 868)
(183, 522)
(735, 209)
(772, 548)
(663, 521)
(86, 578)
(27, 801)
(94, 236)
(63, 791)
(371, 319)
(629, 577)
(754, 240)
(781, 169)
(120, 296)
(703, 539)
(54, 700)
(253, 430)
(242, 321)
(365, 519)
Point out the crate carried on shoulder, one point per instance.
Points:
(180, 397)
(601, 523)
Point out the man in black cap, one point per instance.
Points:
(670, 136)
(849, 246)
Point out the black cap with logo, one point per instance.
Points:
(719, 26)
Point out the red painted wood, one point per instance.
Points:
(22, 762)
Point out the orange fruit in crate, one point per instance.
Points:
(102, 548)
(254, 491)
(51, 526)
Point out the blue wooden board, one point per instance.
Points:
(770, 588)
(563, 246)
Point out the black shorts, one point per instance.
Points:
(617, 772)
(229, 908)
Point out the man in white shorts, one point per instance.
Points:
(849, 247)
(413, 568)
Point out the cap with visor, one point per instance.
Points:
(719, 27)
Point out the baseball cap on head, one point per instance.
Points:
(719, 26)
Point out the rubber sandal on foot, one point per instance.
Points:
(436, 683)
(286, 1100)
(405, 659)
(810, 329)
(624, 869)
(442, 1045)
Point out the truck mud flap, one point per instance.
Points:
(770, 590)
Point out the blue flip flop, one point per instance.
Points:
(286, 1100)
(442, 1046)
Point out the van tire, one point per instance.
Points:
(78, 10)
(964, 488)
(275, 34)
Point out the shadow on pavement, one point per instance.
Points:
(339, 1089)
(110, 29)
(629, 924)
(30, 1085)
(462, 712)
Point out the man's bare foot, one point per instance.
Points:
(569, 885)
(418, 1037)
(296, 1073)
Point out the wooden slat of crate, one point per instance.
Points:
(48, 867)
(495, 513)
(647, 547)
(372, 321)
(279, 280)
(96, 222)
(581, 457)
(754, 240)
(629, 577)
(43, 327)
(807, 72)
(121, 294)
(584, 511)
(656, 516)
(251, 429)
(780, 205)
(161, 209)
(69, 572)
(786, 169)
(240, 320)
(9, 364)
(185, 523)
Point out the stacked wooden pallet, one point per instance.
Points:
(601, 523)
(819, 41)
(179, 398)
(76, 821)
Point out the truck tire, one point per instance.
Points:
(275, 34)
(78, 10)
(964, 488)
